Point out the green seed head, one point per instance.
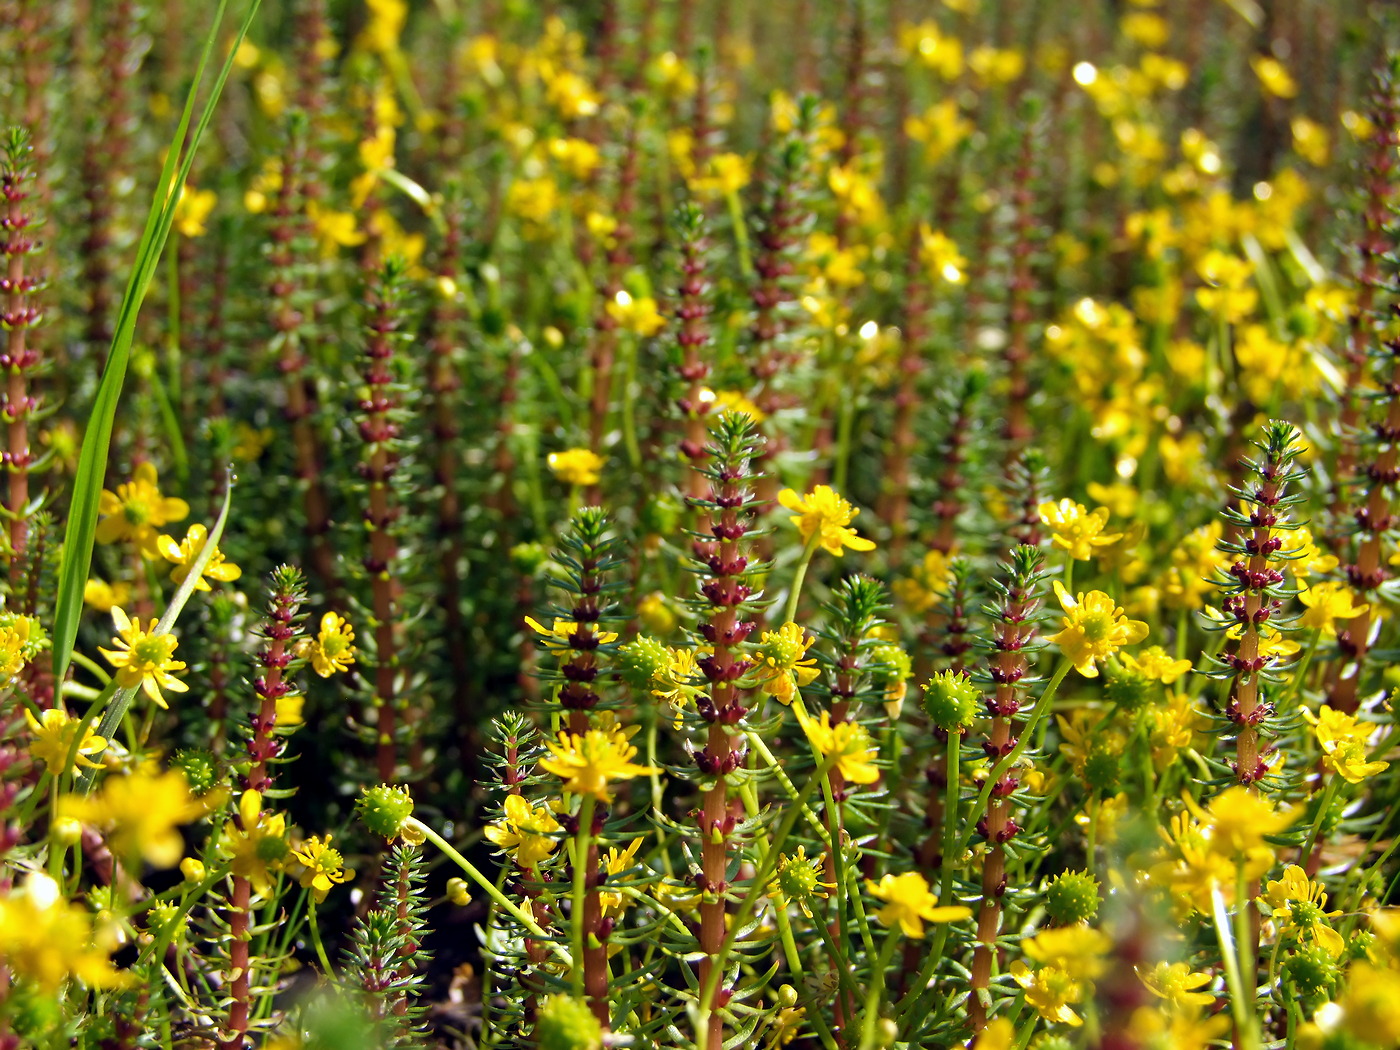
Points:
(1071, 897)
(384, 809)
(566, 1023)
(952, 701)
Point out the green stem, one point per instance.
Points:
(741, 233)
(790, 613)
(315, 927)
(876, 994)
(1230, 958)
(580, 888)
(490, 888)
(1327, 795)
(1286, 701)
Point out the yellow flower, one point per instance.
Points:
(1348, 759)
(1228, 296)
(726, 401)
(333, 650)
(21, 639)
(1075, 529)
(322, 866)
(1076, 950)
(910, 903)
(615, 863)
(54, 738)
(725, 173)
(44, 939)
(140, 812)
(145, 659)
(940, 256)
(136, 510)
(1327, 602)
(184, 553)
(386, 20)
(560, 637)
(850, 742)
(255, 843)
(102, 595)
(192, 209)
(1370, 1006)
(926, 584)
(526, 832)
(823, 517)
(941, 128)
(994, 66)
(334, 229)
(1238, 821)
(1274, 77)
(1094, 629)
(781, 664)
(636, 315)
(933, 50)
(1154, 663)
(1155, 1029)
(579, 157)
(576, 466)
(569, 93)
(1177, 984)
(1299, 906)
(1050, 991)
(1306, 557)
(587, 762)
(1000, 1034)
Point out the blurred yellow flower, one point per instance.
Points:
(576, 466)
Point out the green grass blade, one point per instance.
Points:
(92, 460)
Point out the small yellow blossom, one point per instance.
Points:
(333, 650)
(637, 315)
(940, 256)
(1075, 529)
(781, 664)
(145, 658)
(615, 863)
(587, 762)
(527, 832)
(102, 595)
(44, 939)
(184, 554)
(137, 509)
(1327, 602)
(1095, 627)
(322, 866)
(824, 517)
(941, 128)
(932, 49)
(851, 744)
(1228, 296)
(576, 466)
(1177, 984)
(256, 842)
(910, 903)
(579, 157)
(993, 66)
(725, 173)
(385, 25)
(192, 209)
(1154, 663)
(1076, 950)
(926, 583)
(140, 814)
(334, 229)
(560, 637)
(1050, 991)
(54, 739)
(1299, 907)
(1274, 77)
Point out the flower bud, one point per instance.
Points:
(192, 869)
(457, 892)
(66, 831)
(640, 660)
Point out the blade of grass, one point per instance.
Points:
(92, 460)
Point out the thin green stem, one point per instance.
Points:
(1230, 958)
(491, 889)
(875, 995)
(790, 613)
(1328, 793)
(580, 888)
